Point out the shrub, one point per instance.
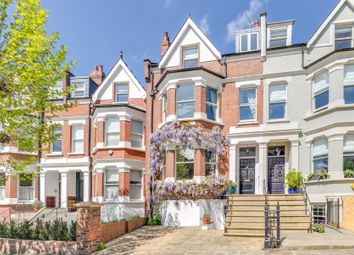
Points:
(319, 228)
(155, 221)
(349, 173)
(294, 179)
(72, 230)
(101, 246)
(318, 176)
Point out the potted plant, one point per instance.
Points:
(318, 176)
(348, 173)
(231, 187)
(294, 180)
(37, 205)
(206, 219)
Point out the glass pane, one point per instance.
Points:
(79, 93)
(112, 139)
(185, 171)
(136, 140)
(277, 111)
(26, 180)
(135, 176)
(248, 113)
(185, 110)
(276, 151)
(210, 169)
(2, 179)
(137, 127)
(191, 63)
(276, 33)
(190, 53)
(320, 165)
(343, 44)
(112, 125)
(211, 95)
(247, 96)
(122, 88)
(277, 93)
(244, 43)
(57, 146)
(343, 32)
(78, 146)
(321, 100)
(349, 75)
(111, 192)
(78, 132)
(184, 154)
(210, 157)
(248, 152)
(122, 98)
(277, 43)
(135, 191)
(185, 92)
(211, 111)
(349, 94)
(112, 176)
(254, 39)
(348, 162)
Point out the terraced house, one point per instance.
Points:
(284, 106)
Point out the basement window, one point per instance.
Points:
(319, 213)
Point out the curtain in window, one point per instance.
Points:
(112, 131)
(248, 97)
(320, 83)
(349, 75)
(78, 138)
(111, 184)
(320, 147)
(277, 93)
(349, 143)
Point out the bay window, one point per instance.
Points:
(121, 92)
(77, 143)
(343, 37)
(57, 144)
(112, 128)
(111, 184)
(277, 101)
(136, 133)
(184, 163)
(190, 57)
(349, 84)
(210, 163)
(211, 103)
(320, 156)
(348, 150)
(248, 104)
(321, 91)
(135, 184)
(185, 101)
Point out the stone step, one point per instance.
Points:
(260, 213)
(262, 203)
(251, 219)
(260, 225)
(257, 233)
(262, 197)
(261, 208)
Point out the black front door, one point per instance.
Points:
(276, 165)
(247, 170)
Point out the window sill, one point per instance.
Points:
(76, 154)
(54, 154)
(245, 123)
(278, 121)
(328, 110)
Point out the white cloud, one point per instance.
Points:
(204, 24)
(167, 3)
(242, 20)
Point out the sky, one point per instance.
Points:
(96, 30)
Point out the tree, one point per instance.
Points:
(31, 64)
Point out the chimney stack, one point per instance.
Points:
(165, 44)
(97, 74)
(263, 36)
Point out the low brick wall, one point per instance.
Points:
(115, 229)
(348, 213)
(15, 246)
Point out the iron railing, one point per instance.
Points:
(272, 224)
(333, 211)
(226, 209)
(308, 206)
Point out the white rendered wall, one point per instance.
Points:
(118, 211)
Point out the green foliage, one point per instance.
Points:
(317, 176)
(348, 164)
(31, 64)
(56, 230)
(348, 173)
(294, 179)
(319, 228)
(101, 246)
(155, 221)
(231, 184)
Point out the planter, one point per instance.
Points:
(231, 190)
(36, 209)
(293, 190)
(206, 221)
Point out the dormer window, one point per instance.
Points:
(278, 37)
(122, 92)
(249, 42)
(190, 57)
(80, 89)
(343, 37)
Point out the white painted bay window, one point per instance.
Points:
(111, 184)
(190, 57)
(135, 185)
(136, 134)
(77, 143)
(343, 37)
(248, 104)
(320, 156)
(349, 84)
(321, 91)
(277, 101)
(211, 103)
(112, 128)
(348, 150)
(57, 144)
(185, 101)
(122, 92)
(184, 163)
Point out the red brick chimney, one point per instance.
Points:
(165, 44)
(97, 74)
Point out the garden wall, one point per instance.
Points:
(15, 246)
(187, 213)
(118, 211)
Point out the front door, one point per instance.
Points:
(276, 169)
(247, 170)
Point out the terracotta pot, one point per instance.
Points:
(36, 209)
(206, 221)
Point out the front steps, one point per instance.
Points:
(245, 214)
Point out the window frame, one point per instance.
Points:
(315, 210)
(73, 126)
(249, 41)
(58, 139)
(185, 101)
(284, 101)
(164, 107)
(84, 89)
(346, 84)
(106, 133)
(318, 93)
(189, 47)
(134, 184)
(111, 184)
(345, 38)
(211, 163)
(137, 134)
(183, 162)
(216, 104)
(319, 157)
(116, 93)
(247, 105)
(278, 38)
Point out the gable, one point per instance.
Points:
(119, 74)
(190, 34)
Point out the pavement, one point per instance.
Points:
(160, 240)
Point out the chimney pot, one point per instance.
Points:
(165, 44)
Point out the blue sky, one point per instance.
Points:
(96, 30)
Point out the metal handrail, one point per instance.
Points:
(55, 209)
(308, 205)
(226, 208)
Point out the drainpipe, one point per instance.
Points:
(152, 95)
(91, 109)
(302, 56)
(263, 36)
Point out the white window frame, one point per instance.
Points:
(278, 101)
(185, 101)
(73, 140)
(106, 132)
(315, 94)
(324, 216)
(195, 46)
(164, 107)
(78, 89)
(136, 185)
(323, 156)
(137, 134)
(347, 83)
(278, 38)
(115, 184)
(58, 139)
(249, 35)
(244, 105)
(116, 84)
(345, 38)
